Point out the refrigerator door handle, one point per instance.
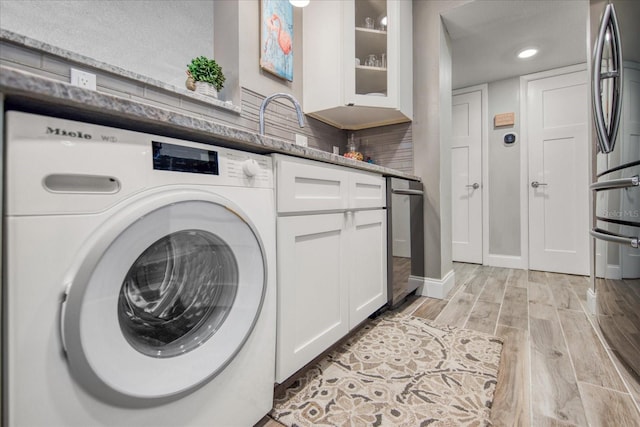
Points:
(615, 238)
(634, 181)
(607, 135)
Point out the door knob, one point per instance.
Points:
(536, 184)
(475, 186)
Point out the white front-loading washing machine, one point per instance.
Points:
(139, 279)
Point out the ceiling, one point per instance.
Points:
(486, 35)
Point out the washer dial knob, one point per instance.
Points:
(250, 168)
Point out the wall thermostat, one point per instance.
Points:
(510, 138)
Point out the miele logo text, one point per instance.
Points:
(63, 132)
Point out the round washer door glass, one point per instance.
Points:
(165, 298)
(178, 293)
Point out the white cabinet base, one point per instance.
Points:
(331, 265)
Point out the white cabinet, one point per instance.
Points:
(331, 243)
(341, 86)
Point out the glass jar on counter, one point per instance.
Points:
(352, 149)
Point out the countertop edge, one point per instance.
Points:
(31, 87)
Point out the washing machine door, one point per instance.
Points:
(163, 298)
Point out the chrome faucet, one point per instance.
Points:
(268, 99)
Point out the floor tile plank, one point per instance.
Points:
(534, 276)
(494, 289)
(608, 408)
(483, 317)
(410, 304)
(511, 403)
(542, 421)
(514, 308)
(475, 284)
(463, 273)
(562, 291)
(631, 380)
(590, 359)
(457, 310)
(580, 285)
(430, 309)
(540, 293)
(551, 369)
(517, 278)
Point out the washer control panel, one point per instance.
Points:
(246, 166)
(180, 158)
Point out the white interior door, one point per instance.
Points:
(466, 167)
(557, 109)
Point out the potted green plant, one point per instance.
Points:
(207, 75)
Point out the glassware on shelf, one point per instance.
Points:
(383, 60)
(368, 22)
(371, 61)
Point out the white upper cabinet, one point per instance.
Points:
(358, 70)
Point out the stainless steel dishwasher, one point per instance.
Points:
(405, 239)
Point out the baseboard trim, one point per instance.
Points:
(506, 261)
(613, 271)
(416, 282)
(591, 301)
(438, 288)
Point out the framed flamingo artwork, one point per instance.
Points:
(276, 38)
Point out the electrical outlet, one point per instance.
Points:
(301, 140)
(83, 79)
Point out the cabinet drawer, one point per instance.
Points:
(366, 190)
(305, 186)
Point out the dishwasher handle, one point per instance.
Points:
(407, 192)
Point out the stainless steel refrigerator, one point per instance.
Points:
(615, 68)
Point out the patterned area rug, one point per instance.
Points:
(397, 371)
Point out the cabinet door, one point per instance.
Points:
(366, 37)
(367, 190)
(312, 288)
(368, 263)
(378, 33)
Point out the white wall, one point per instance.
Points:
(432, 129)
(504, 170)
(156, 39)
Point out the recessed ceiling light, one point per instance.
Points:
(299, 3)
(527, 53)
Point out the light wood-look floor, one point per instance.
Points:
(556, 369)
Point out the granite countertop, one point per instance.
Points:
(32, 91)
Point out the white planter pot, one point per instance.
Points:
(207, 89)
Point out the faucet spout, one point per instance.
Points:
(269, 98)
